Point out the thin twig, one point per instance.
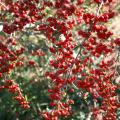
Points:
(99, 8)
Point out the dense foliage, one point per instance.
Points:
(59, 60)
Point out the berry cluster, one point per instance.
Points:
(81, 43)
(15, 89)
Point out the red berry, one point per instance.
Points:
(80, 2)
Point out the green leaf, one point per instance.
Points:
(3, 34)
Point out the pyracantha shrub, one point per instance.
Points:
(81, 45)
